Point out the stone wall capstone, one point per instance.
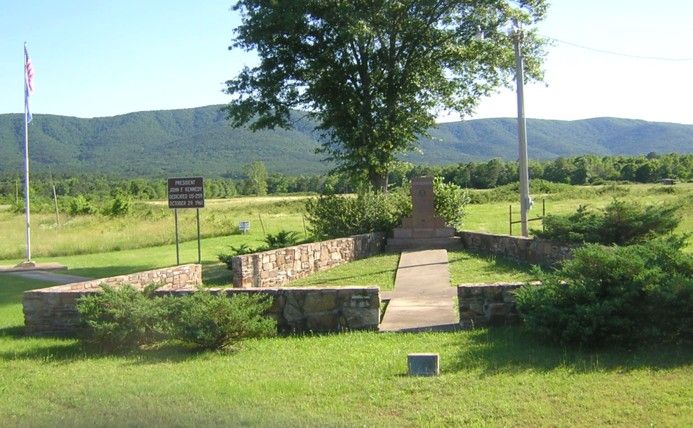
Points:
(276, 267)
(518, 248)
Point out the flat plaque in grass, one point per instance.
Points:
(423, 364)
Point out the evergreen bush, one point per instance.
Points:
(121, 317)
(216, 321)
(124, 318)
(614, 296)
(620, 222)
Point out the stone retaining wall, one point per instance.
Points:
(487, 304)
(321, 309)
(518, 248)
(53, 310)
(276, 267)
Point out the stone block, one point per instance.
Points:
(322, 322)
(360, 318)
(495, 313)
(320, 301)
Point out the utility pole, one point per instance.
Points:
(522, 129)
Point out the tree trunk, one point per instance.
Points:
(378, 181)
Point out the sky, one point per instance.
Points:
(103, 58)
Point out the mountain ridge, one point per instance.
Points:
(200, 141)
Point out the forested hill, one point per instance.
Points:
(201, 141)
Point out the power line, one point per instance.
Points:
(650, 58)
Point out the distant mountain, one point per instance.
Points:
(201, 141)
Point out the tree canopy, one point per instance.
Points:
(375, 73)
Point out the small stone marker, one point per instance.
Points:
(423, 364)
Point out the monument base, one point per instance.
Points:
(423, 232)
(406, 244)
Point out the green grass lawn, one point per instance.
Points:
(496, 377)
(465, 267)
(378, 270)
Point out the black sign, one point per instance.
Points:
(186, 193)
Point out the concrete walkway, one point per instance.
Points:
(423, 299)
(56, 278)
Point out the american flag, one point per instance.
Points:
(28, 82)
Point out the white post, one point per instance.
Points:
(26, 169)
(522, 131)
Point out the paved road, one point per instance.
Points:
(423, 299)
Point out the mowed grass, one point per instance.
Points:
(376, 271)
(496, 377)
(380, 271)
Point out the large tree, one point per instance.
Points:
(375, 73)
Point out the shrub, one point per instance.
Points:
(450, 200)
(217, 321)
(121, 205)
(334, 216)
(620, 222)
(283, 238)
(614, 295)
(124, 318)
(235, 251)
(121, 317)
(80, 205)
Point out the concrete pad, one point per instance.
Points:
(423, 299)
(56, 278)
(31, 266)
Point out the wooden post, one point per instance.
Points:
(175, 216)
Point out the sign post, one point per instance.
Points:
(186, 193)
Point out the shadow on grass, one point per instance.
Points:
(14, 332)
(68, 350)
(216, 275)
(512, 350)
(105, 271)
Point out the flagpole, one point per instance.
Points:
(26, 163)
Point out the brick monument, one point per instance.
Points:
(423, 228)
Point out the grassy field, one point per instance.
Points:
(151, 224)
(496, 377)
(493, 217)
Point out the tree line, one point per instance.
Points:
(580, 170)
